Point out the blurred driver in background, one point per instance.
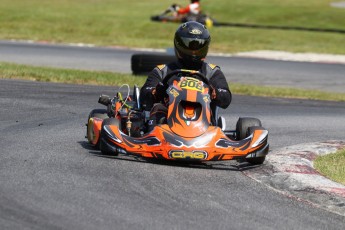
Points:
(193, 8)
(189, 13)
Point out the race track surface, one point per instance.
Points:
(319, 76)
(52, 179)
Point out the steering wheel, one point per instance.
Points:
(187, 72)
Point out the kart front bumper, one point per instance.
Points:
(162, 143)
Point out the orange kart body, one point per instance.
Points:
(187, 134)
(162, 143)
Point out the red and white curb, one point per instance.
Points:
(290, 170)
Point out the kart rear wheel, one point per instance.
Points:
(99, 113)
(105, 148)
(142, 64)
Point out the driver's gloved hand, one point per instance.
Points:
(160, 90)
(213, 92)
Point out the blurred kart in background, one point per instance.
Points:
(171, 15)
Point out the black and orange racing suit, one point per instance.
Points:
(221, 95)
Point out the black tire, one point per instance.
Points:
(243, 124)
(103, 145)
(99, 113)
(255, 160)
(245, 127)
(142, 64)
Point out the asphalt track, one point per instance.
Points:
(319, 76)
(51, 179)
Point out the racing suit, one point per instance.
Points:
(193, 8)
(220, 95)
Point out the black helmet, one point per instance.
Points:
(191, 43)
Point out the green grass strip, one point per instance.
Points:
(332, 166)
(69, 76)
(268, 91)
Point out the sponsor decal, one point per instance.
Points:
(206, 98)
(187, 123)
(160, 67)
(151, 141)
(212, 66)
(192, 155)
(195, 31)
(226, 144)
(174, 92)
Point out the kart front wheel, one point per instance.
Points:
(245, 127)
(256, 160)
(105, 147)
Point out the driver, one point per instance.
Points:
(192, 9)
(191, 44)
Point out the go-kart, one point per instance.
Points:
(192, 130)
(170, 15)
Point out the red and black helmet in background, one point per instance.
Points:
(191, 44)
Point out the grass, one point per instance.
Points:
(127, 23)
(46, 74)
(15, 71)
(267, 91)
(332, 166)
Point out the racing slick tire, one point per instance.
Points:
(255, 160)
(107, 149)
(243, 124)
(142, 64)
(99, 113)
(244, 127)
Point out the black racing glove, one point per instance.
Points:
(160, 91)
(213, 92)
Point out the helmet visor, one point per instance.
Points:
(192, 46)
